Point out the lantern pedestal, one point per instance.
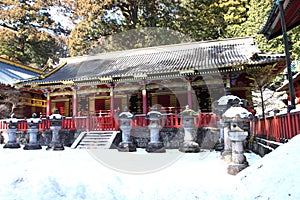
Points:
(55, 127)
(33, 131)
(32, 145)
(155, 145)
(239, 161)
(55, 143)
(189, 145)
(12, 142)
(126, 145)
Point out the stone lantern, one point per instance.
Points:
(126, 145)
(189, 145)
(220, 107)
(55, 127)
(235, 118)
(33, 130)
(12, 130)
(155, 145)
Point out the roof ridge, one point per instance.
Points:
(161, 48)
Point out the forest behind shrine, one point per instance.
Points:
(34, 32)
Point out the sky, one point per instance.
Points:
(78, 174)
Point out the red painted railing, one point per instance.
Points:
(173, 121)
(92, 123)
(278, 128)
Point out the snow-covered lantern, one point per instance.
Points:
(155, 145)
(189, 145)
(33, 123)
(219, 108)
(55, 127)
(225, 102)
(126, 145)
(235, 118)
(12, 130)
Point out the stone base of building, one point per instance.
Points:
(32, 146)
(189, 147)
(155, 147)
(55, 147)
(126, 147)
(234, 169)
(12, 145)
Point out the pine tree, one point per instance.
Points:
(262, 77)
(28, 34)
(256, 15)
(96, 20)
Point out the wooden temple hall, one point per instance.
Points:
(171, 77)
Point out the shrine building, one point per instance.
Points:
(170, 76)
(32, 100)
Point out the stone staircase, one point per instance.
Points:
(94, 140)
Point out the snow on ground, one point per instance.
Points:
(76, 174)
(275, 176)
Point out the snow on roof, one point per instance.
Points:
(286, 82)
(11, 72)
(233, 111)
(225, 99)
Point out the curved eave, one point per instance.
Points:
(21, 66)
(233, 67)
(285, 85)
(272, 25)
(43, 76)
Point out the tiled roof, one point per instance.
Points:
(197, 56)
(11, 72)
(272, 26)
(285, 85)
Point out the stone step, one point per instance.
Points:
(91, 145)
(96, 140)
(93, 141)
(97, 136)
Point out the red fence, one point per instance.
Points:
(92, 123)
(278, 128)
(173, 121)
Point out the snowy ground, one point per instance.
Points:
(79, 174)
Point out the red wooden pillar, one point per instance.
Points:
(297, 120)
(189, 94)
(276, 129)
(112, 106)
(75, 102)
(144, 96)
(48, 106)
(267, 128)
(289, 123)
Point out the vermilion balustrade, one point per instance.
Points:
(91, 123)
(278, 128)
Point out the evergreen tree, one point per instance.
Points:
(262, 77)
(234, 14)
(257, 12)
(96, 20)
(28, 33)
